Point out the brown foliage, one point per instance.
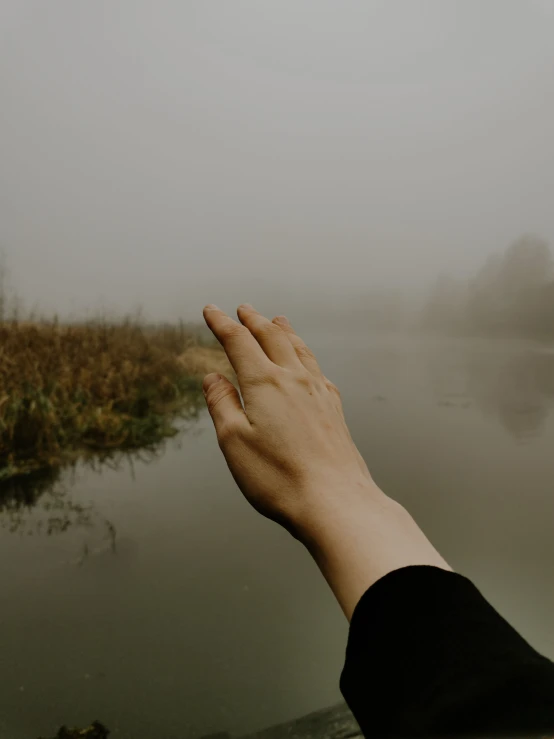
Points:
(65, 389)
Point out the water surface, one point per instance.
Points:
(162, 604)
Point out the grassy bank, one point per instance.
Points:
(67, 391)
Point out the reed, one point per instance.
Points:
(67, 390)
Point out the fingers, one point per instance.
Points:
(269, 336)
(304, 354)
(224, 405)
(243, 351)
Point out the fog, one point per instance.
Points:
(291, 154)
(353, 164)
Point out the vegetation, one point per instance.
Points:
(69, 390)
(512, 294)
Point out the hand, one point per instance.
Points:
(291, 454)
(289, 448)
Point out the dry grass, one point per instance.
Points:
(69, 390)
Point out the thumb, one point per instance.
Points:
(224, 406)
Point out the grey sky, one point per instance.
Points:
(173, 153)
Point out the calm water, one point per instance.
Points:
(168, 608)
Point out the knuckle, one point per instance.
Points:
(304, 352)
(225, 432)
(332, 387)
(287, 328)
(263, 379)
(216, 395)
(233, 330)
(266, 330)
(306, 380)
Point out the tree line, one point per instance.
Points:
(511, 294)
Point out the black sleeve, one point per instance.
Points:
(427, 655)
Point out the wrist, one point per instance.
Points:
(330, 511)
(358, 538)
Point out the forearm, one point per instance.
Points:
(356, 544)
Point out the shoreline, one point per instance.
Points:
(72, 391)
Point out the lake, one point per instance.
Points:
(164, 606)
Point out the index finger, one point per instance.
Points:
(243, 351)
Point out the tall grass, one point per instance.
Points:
(68, 390)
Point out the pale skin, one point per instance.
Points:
(290, 452)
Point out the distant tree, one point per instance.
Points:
(545, 310)
(484, 308)
(526, 270)
(511, 294)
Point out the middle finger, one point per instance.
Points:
(269, 336)
(243, 351)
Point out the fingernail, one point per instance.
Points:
(283, 319)
(211, 306)
(210, 380)
(247, 306)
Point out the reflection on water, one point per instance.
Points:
(515, 386)
(21, 498)
(41, 502)
(519, 393)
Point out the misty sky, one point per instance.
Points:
(174, 153)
